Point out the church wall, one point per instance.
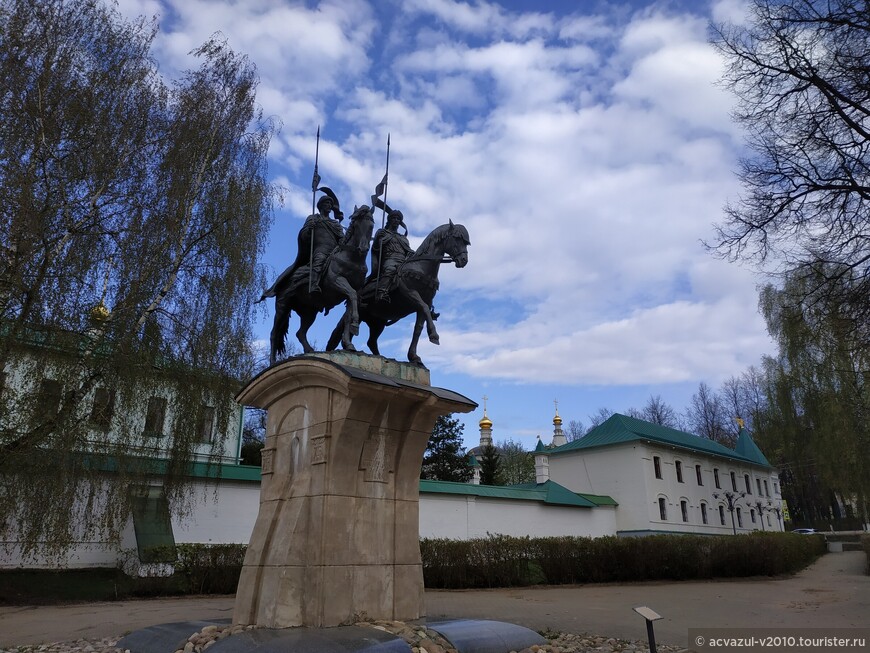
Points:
(217, 515)
(226, 514)
(465, 517)
(613, 471)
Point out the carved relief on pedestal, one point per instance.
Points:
(268, 461)
(377, 458)
(319, 450)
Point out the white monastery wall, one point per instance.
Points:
(463, 517)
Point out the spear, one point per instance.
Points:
(315, 182)
(383, 218)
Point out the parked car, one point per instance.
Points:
(805, 531)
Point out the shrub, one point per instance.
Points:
(502, 561)
(210, 568)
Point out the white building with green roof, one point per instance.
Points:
(669, 481)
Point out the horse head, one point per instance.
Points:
(456, 243)
(358, 236)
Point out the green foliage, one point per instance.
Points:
(490, 466)
(799, 72)
(210, 568)
(517, 465)
(814, 426)
(133, 215)
(502, 561)
(445, 458)
(252, 453)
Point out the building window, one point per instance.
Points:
(679, 467)
(768, 520)
(48, 399)
(657, 464)
(758, 485)
(205, 426)
(155, 417)
(747, 483)
(704, 513)
(716, 478)
(698, 475)
(722, 515)
(766, 488)
(776, 488)
(684, 510)
(752, 515)
(739, 518)
(733, 482)
(103, 408)
(663, 509)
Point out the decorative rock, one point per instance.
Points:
(418, 638)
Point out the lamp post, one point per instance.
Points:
(778, 512)
(731, 499)
(761, 508)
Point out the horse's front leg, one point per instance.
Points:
(422, 308)
(415, 338)
(351, 313)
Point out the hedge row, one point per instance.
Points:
(501, 561)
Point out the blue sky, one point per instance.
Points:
(585, 146)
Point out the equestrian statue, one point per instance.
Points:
(330, 267)
(408, 288)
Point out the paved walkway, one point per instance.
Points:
(833, 593)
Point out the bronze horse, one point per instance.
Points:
(343, 275)
(414, 289)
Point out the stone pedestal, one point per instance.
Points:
(337, 534)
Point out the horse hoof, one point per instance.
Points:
(348, 347)
(434, 339)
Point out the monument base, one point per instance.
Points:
(337, 535)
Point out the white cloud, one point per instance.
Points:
(588, 155)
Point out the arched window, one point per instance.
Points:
(739, 518)
(722, 515)
(703, 513)
(684, 510)
(663, 508)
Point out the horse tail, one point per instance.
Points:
(335, 336)
(280, 327)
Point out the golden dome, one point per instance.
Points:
(100, 313)
(485, 422)
(557, 420)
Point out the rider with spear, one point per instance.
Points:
(389, 248)
(319, 236)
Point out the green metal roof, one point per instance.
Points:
(619, 429)
(550, 493)
(747, 448)
(541, 446)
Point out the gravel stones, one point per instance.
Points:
(418, 637)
